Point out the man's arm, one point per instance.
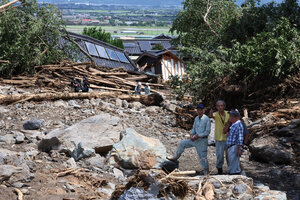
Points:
(240, 131)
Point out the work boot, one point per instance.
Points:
(174, 158)
(220, 171)
(206, 172)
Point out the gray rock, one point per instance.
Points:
(60, 103)
(240, 188)
(25, 191)
(125, 104)
(33, 124)
(18, 184)
(136, 105)
(71, 163)
(96, 161)
(69, 187)
(297, 180)
(152, 109)
(6, 171)
(8, 139)
(118, 174)
(170, 107)
(108, 189)
(95, 102)
(99, 132)
(32, 134)
(271, 194)
(266, 150)
(79, 152)
(284, 132)
(118, 103)
(246, 197)
(74, 104)
(138, 151)
(19, 137)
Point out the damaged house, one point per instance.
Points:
(164, 62)
(103, 54)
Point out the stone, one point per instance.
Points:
(99, 133)
(95, 102)
(25, 191)
(241, 188)
(297, 180)
(6, 171)
(71, 163)
(108, 189)
(125, 104)
(284, 132)
(8, 139)
(136, 105)
(60, 103)
(170, 107)
(152, 109)
(69, 187)
(19, 137)
(246, 197)
(74, 104)
(32, 134)
(79, 152)
(118, 174)
(265, 149)
(118, 103)
(33, 124)
(96, 161)
(138, 151)
(271, 195)
(18, 184)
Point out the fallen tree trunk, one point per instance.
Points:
(8, 99)
(152, 99)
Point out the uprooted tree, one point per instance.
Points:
(29, 35)
(249, 46)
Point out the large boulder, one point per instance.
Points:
(267, 149)
(138, 151)
(98, 133)
(33, 124)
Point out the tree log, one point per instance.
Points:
(152, 99)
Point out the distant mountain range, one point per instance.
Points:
(138, 2)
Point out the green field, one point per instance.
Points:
(147, 30)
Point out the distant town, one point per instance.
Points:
(120, 20)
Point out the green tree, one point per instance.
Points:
(226, 44)
(102, 35)
(29, 37)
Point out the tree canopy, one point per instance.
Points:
(100, 34)
(237, 45)
(29, 37)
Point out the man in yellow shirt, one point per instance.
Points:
(221, 118)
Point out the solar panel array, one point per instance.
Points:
(99, 51)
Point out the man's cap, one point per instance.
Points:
(139, 83)
(201, 106)
(234, 113)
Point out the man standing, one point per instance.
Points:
(198, 139)
(235, 142)
(221, 118)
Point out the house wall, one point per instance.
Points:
(171, 66)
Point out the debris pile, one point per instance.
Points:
(57, 77)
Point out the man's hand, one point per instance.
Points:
(196, 137)
(239, 151)
(191, 137)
